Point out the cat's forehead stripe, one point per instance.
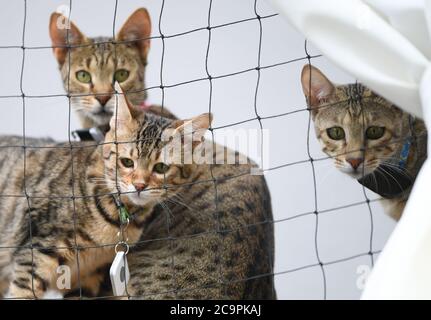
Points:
(149, 135)
(88, 62)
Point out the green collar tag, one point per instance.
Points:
(124, 214)
(122, 211)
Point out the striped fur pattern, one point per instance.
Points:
(355, 108)
(60, 211)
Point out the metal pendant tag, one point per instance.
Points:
(119, 274)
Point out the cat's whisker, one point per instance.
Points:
(384, 176)
(179, 196)
(392, 165)
(176, 201)
(98, 179)
(327, 173)
(373, 174)
(79, 107)
(392, 160)
(390, 175)
(100, 184)
(165, 208)
(402, 171)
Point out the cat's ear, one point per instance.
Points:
(197, 126)
(137, 27)
(316, 86)
(58, 31)
(122, 111)
(121, 120)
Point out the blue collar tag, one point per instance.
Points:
(404, 154)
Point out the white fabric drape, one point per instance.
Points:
(386, 45)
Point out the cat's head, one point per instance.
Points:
(95, 63)
(144, 153)
(355, 126)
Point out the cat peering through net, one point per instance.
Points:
(369, 138)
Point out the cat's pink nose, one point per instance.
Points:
(355, 162)
(103, 99)
(140, 186)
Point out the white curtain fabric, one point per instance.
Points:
(386, 45)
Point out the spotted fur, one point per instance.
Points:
(214, 241)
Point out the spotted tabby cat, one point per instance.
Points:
(369, 138)
(61, 204)
(215, 240)
(95, 63)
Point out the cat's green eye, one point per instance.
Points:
(83, 76)
(121, 75)
(128, 163)
(336, 133)
(161, 168)
(375, 132)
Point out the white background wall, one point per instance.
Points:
(341, 233)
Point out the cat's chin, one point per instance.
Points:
(359, 174)
(100, 118)
(356, 174)
(97, 119)
(142, 199)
